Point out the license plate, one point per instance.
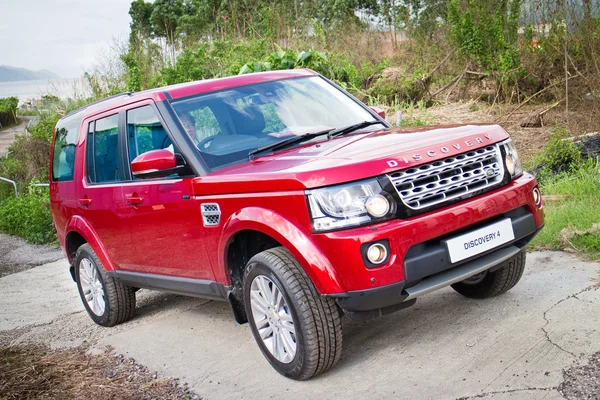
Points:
(480, 240)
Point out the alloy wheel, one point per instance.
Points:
(91, 287)
(273, 319)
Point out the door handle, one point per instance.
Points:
(85, 201)
(134, 200)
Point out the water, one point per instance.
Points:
(28, 90)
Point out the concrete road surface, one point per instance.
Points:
(515, 346)
(7, 135)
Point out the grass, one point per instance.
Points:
(578, 211)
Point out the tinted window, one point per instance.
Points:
(103, 158)
(65, 143)
(145, 132)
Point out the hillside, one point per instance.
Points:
(12, 74)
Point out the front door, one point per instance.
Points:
(163, 217)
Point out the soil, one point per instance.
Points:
(17, 255)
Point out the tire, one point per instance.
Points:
(112, 302)
(315, 320)
(494, 283)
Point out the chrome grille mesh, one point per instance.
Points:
(439, 182)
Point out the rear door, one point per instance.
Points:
(163, 217)
(100, 197)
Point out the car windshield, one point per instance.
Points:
(227, 125)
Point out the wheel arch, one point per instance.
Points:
(272, 229)
(79, 232)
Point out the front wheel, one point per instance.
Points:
(489, 284)
(298, 331)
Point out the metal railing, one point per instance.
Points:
(31, 185)
(34, 185)
(10, 181)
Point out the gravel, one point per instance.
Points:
(582, 382)
(17, 255)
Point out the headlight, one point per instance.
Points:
(347, 205)
(511, 159)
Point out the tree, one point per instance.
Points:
(140, 24)
(165, 19)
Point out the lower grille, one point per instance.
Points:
(441, 181)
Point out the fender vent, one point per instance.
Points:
(211, 214)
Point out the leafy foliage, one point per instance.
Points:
(486, 32)
(288, 59)
(559, 154)
(8, 111)
(28, 216)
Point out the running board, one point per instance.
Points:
(460, 273)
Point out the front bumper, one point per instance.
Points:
(419, 261)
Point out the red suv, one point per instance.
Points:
(290, 199)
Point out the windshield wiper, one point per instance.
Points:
(352, 128)
(287, 142)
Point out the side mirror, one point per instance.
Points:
(378, 111)
(154, 164)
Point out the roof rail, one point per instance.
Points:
(97, 102)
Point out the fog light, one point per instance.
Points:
(377, 206)
(377, 253)
(537, 197)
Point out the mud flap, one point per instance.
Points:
(239, 312)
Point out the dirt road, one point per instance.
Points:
(516, 346)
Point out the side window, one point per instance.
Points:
(145, 132)
(103, 163)
(65, 143)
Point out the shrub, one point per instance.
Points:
(29, 217)
(559, 154)
(289, 59)
(8, 111)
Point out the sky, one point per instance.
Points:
(63, 36)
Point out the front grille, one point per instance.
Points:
(441, 181)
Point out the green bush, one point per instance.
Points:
(209, 60)
(289, 59)
(558, 155)
(8, 111)
(29, 217)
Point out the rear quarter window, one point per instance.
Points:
(65, 144)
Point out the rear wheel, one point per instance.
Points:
(490, 284)
(297, 330)
(107, 301)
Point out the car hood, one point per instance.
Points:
(348, 158)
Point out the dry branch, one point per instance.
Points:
(505, 117)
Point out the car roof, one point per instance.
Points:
(188, 89)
